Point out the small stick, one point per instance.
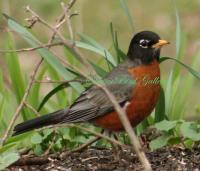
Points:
(67, 18)
(52, 143)
(60, 20)
(32, 49)
(80, 148)
(59, 81)
(32, 108)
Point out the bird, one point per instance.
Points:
(137, 94)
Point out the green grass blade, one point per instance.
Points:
(89, 40)
(126, 10)
(3, 96)
(56, 90)
(184, 90)
(51, 93)
(100, 51)
(160, 107)
(71, 58)
(170, 91)
(191, 70)
(101, 72)
(61, 95)
(18, 83)
(176, 108)
(119, 53)
(94, 46)
(178, 29)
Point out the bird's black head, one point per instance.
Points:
(145, 47)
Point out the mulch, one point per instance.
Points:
(172, 158)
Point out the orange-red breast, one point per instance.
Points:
(138, 98)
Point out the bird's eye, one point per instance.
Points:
(144, 43)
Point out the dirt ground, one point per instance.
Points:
(96, 159)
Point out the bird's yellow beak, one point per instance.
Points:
(160, 44)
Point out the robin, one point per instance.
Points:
(137, 95)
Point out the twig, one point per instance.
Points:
(80, 148)
(60, 20)
(83, 146)
(59, 81)
(32, 21)
(52, 143)
(19, 108)
(67, 17)
(32, 49)
(32, 108)
(89, 158)
(71, 3)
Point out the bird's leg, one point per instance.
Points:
(115, 148)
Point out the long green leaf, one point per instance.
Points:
(192, 71)
(119, 53)
(100, 51)
(89, 40)
(179, 106)
(170, 91)
(126, 10)
(93, 45)
(160, 107)
(3, 125)
(101, 72)
(17, 78)
(61, 95)
(51, 93)
(3, 95)
(178, 29)
(58, 89)
(66, 85)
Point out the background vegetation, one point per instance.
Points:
(174, 21)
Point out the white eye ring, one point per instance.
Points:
(144, 43)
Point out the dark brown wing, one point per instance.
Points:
(94, 102)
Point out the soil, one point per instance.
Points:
(96, 159)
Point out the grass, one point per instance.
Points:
(170, 108)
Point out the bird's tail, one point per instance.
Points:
(45, 120)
